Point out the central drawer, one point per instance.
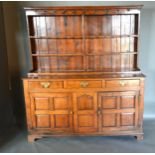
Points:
(84, 84)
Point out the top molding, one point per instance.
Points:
(84, 7)
(83, 10)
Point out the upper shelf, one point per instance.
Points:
(83, 10)
(81, 37)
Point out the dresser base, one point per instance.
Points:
(137, 135)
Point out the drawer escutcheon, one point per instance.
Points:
(84, 84)
(45, 84)
(122, 83)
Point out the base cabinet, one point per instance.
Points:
(83, 111)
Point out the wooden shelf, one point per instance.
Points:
(113, 53)
(80, 37)
(105, 71)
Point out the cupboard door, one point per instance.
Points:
(118, 110)
(85, 107)
(52, 111)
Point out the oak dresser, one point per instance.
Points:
(85, 79)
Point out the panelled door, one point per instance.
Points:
(118, 110)
(85, 116)
(52, 111)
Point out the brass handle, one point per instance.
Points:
(45, 84)
(122, 83)
(84, 84)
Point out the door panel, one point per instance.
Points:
(52, 111)
(85, 117)
(118, 110)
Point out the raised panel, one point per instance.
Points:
(61, 103)
(119, 110)
(85, 116)
(61, 121)
(109, 120)
(128, 101)
(108, 102)
(41, 103)
(127, 119)
(43, 121)
(85, 102)
(86, 120)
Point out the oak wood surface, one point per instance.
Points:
(85, 79)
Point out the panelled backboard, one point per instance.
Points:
(84, 42)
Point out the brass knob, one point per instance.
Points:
(45, 84)
(122, 83)
(84, 84)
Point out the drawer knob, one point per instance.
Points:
(45, 84)
(122, 83)
(84, 84)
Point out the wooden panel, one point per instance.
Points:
(125, 24)
(116, 44)
(108, 102)
(70, 63)
(117, 110)
(60, 103)
(66, 26)
(107, 25)
(85, 102)
(93, 25)
(86, 121)
(84, 84)
(61, 121)
(109, 120)
(116, 24)
(128, 102)
(121, 83)
(85, 117)
(43, 121)
(125, 44)
(69, 46)
(127, 119)
(94, 46)
(54, 111)
(41, 103)
(50, 26)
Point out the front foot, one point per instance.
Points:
(139, 137)
(32, 138)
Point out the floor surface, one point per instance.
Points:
(16, 142)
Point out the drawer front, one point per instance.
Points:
(45, 84)
(84, 84)
(121, 83)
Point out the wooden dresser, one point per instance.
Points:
(85, 79)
